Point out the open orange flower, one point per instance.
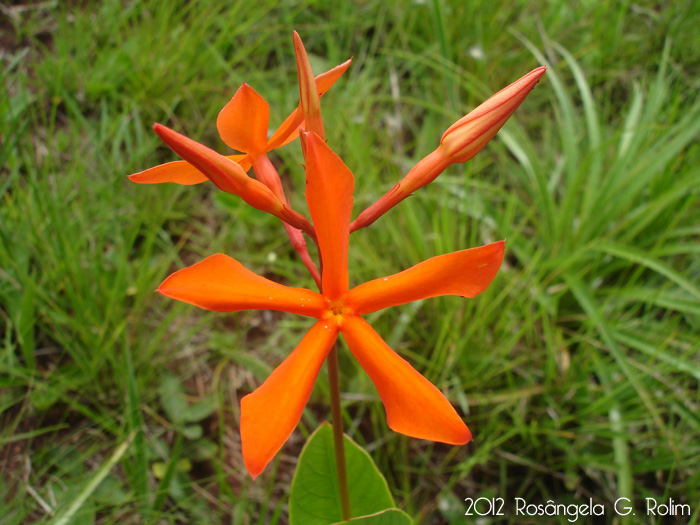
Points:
(414, 406)
(242, 125)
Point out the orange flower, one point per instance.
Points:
(414, 406)
(242, 125)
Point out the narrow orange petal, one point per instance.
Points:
(271, 413)
(242, 160)
(414, 406)
(329, 188)
(243, 122)
(221, 283)
(308, 92)
(325, 81)
(289, 129)
(466, 273)
(180, 172)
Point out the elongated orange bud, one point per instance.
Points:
(462, 140)
(468, 136)
(308, 92)
(289, 130)
(230, 177)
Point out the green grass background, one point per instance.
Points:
(577, 370)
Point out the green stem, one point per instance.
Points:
(338, 441)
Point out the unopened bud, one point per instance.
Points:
(230, 177)
(308, 91)
(468, 136)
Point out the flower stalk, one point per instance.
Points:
(338, 440)
(267, 174)
(425, 172)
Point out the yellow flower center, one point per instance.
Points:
(337, 309)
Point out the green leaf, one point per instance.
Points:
(198, 411)
(192, 432)
(111, 492)
(172, 397)
(314, 498)
(385, 517)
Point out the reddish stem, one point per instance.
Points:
(423, 173)
(267, 174)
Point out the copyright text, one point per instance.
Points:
(572, 511)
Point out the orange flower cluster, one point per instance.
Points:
(269, 415)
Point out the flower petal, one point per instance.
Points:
(243, 122)
(180, 172)
(221, 283)
(289, 129)
(325, 81)
(414, 406)
(271, 413)
(466, 273)
(329, 188)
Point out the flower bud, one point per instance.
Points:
(230, 177)
(464, 139)
(468, 136)
(308, 91)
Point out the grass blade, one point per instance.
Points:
(64, 518)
